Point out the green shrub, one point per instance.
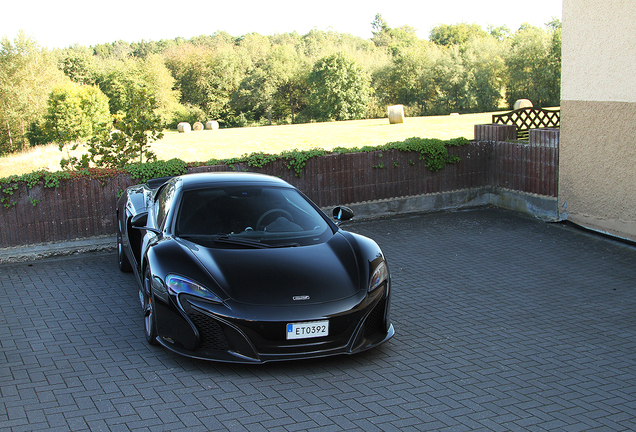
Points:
(433, 151)
(145, 171)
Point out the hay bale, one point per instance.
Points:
(184, 127)
(396, 114)
(212, 125)
(523, 103)
(197, 126)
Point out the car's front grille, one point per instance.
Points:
(375, 321)
(210, 332)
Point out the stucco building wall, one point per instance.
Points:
(597, 168)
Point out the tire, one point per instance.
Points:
(150, 320)
(122, 260)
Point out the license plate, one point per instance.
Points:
(307, 330)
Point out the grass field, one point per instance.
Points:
(204, 145)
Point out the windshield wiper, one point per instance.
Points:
(227, 239)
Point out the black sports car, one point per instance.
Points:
(243, 267)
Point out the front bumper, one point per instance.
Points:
(211, 335)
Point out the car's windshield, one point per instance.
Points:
(265, 214)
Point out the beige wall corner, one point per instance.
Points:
(597, 156)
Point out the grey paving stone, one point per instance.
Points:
(503, 323)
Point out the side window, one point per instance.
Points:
(163, 203)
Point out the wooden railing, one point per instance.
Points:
(525, 119)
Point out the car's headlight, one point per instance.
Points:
(380, 275)
(181, 285)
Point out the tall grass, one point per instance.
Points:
(44, 157)
(226, 143)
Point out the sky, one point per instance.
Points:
(63, 23)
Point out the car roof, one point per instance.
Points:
(199, 180)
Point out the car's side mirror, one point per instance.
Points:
(342, 213)
(140, 221)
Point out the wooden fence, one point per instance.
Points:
(525, 119)
(82, 208)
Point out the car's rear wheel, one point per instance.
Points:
(122, 260)
(150, 321)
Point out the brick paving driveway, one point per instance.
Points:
(503, 323)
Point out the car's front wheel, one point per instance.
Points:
(150, 321)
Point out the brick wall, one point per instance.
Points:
(81, 208)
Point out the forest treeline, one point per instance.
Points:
(64, 94)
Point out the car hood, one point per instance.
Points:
(284, 276)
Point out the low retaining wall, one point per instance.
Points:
(540, 206)
(516, 175)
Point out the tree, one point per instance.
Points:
(74, 114)
(402, 38)
(79, 66)
(554, 64)
(224, 73)
(534, 63)
(276, 86)
(455, 34)
(159, 82)
(501, 33)
(254, 48)
(216, 41)
(322, 75)
(118, 50)
(395, 39)
(145, 48)
(207, 78)
(380, 30)
(27, 73)
(339, 89)
(117, 79)
(409, 80)
(292, 91)
(133, 131)
(452, 81)
(484, 61)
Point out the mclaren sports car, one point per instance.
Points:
(243, 267)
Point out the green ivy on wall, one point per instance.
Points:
(434, 152)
